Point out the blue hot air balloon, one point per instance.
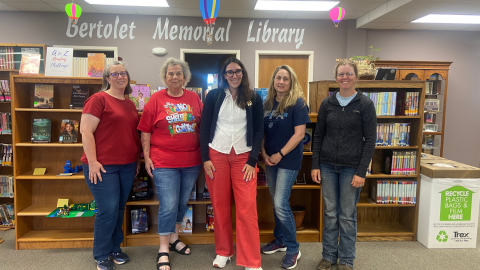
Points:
(209, 10)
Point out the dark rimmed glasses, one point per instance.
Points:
(115, 75)
(230, 73)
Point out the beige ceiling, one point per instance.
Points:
(369, 14)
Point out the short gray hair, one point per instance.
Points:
(173, 62)
(106, 73)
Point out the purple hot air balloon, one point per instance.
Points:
(336, 15)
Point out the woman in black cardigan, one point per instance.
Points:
(230, 139)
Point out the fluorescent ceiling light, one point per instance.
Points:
(445, 18)
(141, 3)
(296, 5)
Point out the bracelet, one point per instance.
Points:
(280, 152)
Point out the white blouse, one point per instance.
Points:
(231, 130)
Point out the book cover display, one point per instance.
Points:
(187, 223)
(79, 95)
(42, 130)
(139, 220)
(140, 95)
(307, 140)
(210, 219)
(96, 64)
(43, 98)
(30, 64)
(68, 131)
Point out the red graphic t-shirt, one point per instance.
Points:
(174, 125)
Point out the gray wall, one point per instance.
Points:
(328, 43)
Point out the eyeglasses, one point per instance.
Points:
(115, 75)
(349, 74)
(230, 73)
(171, 74)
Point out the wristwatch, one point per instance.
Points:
(280, 152)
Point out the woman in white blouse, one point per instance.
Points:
(230, 139)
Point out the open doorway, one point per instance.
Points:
(206, 66)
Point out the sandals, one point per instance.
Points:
(182, 251)
(163, 263)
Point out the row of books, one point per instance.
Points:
(385, 102)
(4, 91)
(7, 60)
(6, 186)
(400, 162)
(393, 134)
(90, 66)
(44, 93)
(6, 154)
(5, 123)
(394, 192)
(42, 130)
(7, 215)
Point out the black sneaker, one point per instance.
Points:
(120, 257)
(106, 264)
(290, 261)
(273, 247)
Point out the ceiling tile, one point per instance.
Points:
(236, 4)
(33, 6)
(114, 9)
(450, 27)
(268, 14)
(229, 13)
(164, 11)
(306, 14)
(78, 2)
(357, 6)
(190, 12)
(183, 3)
(415, 26)
(461, 9)
(85, 8)
(381, 25)
(4, 6)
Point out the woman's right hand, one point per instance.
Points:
(209, 168)
(94, 169)
(266, 158)
(316, 176)
(149, 166)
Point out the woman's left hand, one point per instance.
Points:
(249, 172)
(358, 181)
(275, 158)
(138, 167)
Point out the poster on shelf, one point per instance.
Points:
(59, 62)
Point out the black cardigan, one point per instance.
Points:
(211, 108)
(349, 138)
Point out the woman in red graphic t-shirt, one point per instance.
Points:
(171, 146)
(110, 162)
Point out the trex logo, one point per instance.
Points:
(461, 235)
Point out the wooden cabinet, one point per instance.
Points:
(434, 73)
(384, 222)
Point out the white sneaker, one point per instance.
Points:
(248, 268)
(221, 261)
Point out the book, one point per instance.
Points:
(307, 140)
(193, 195)
(140, 95)
(139, 220)
(30, 64)
(262, 92)
(42, 130)
(206, 194)
(210, 225)
(79, 95)
(68, 131)
(43, 98)
(187, 223)
(96, 64)
(262, 173)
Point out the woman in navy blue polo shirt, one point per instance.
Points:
(285, 120)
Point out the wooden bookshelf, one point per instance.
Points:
(384, 222)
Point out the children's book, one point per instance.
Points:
(187, 223)
(96, 64)
(79, 95)
(139, 220)
(307, 140)
(140, 95)
(42, 130)
(210, 219)
(43, 98)
(68, 131)
(30, 64)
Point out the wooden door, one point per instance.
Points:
(268, 63)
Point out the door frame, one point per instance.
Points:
(207, 51)
(310, 55)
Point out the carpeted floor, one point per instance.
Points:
(370, 256)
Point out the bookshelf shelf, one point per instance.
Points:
(384, 222)
(49, 176)
(29, 144)
(155, 201)
(48, 110)
(432, 133)
(36, 210)
(295, 186)
(307, 153)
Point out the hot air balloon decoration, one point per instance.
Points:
(74, 12)
(209, 10)
(336, 15)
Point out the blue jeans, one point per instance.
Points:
(340, 199)
(174, 186)
(111, 195)
(280, 182)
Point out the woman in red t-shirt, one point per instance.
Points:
(110, 144)
(171, 146)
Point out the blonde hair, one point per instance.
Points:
(295, 92)
(346, 62)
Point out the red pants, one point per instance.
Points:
(229, 176)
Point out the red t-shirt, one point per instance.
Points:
(116, 136)
(174, 125)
